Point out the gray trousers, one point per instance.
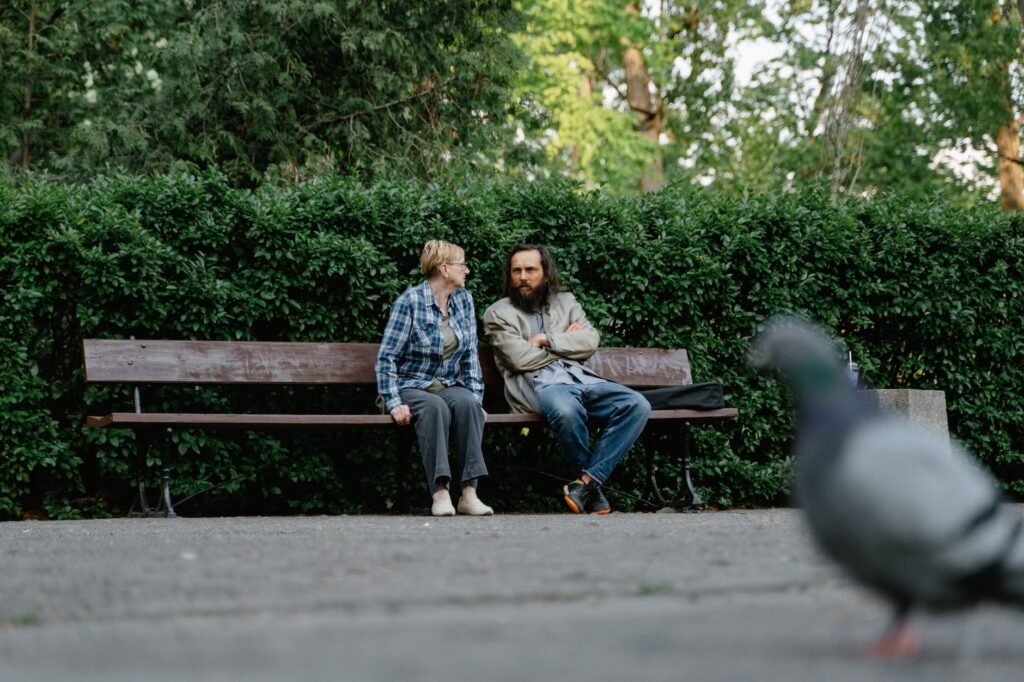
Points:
(452, 412)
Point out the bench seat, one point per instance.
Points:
(253, 363)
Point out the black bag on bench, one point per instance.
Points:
(704, 396)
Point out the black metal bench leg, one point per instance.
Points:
(405, 441)
(533, 443)
(166, 463)
(143, 441)
(689, 497)
(653, 493)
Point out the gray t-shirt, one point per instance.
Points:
(558, 372)
(449, 344)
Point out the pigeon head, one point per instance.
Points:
(807, 357)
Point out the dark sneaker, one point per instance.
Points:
(577, 496)
(597, 503)
(586, 498)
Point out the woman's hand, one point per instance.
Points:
(402, 415)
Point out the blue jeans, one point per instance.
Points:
(568, 407)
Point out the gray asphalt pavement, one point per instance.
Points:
(712, 596)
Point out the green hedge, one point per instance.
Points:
(926, 296)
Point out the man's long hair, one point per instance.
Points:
(548, 288)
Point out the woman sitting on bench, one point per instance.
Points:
(428, 373)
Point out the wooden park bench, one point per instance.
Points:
(192, 363)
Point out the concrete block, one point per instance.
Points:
(926, 409)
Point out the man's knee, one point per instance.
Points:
(640, 406)
(562, 408)
(628, 405)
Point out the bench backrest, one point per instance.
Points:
(274, 362)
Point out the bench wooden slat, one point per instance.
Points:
(228, 362)
(129, 419)
(280, 362)
(642, 367)
(232, 420)
(696, 416)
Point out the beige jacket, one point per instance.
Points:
(508, 329)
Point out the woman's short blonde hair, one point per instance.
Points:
(436, 253)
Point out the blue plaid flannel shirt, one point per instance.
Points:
(411, 353)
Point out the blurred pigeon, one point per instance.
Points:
(900, 510)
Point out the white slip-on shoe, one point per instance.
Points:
(442, 507)
(474, 507)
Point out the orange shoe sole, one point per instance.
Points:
(572, 505)
(605, 511)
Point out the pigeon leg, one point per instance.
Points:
(901, 640)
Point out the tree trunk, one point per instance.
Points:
(828, 72)
(586, 93)
(1011, 183)
(647, 108)
(21, 155)
(651, 123)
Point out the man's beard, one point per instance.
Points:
(530, 302)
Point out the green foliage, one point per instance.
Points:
(871, 95)
(925, 296)
(583, 137)
(576, 78)
(281, 88)
(975, 52)
(534, 88)
(364, 87)
(77, 81)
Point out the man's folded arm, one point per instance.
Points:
(516, 352)
(579, 344)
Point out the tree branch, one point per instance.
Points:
(1013, 159)
(607, 79)
(387, 105)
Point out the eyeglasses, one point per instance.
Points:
(462, 264)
